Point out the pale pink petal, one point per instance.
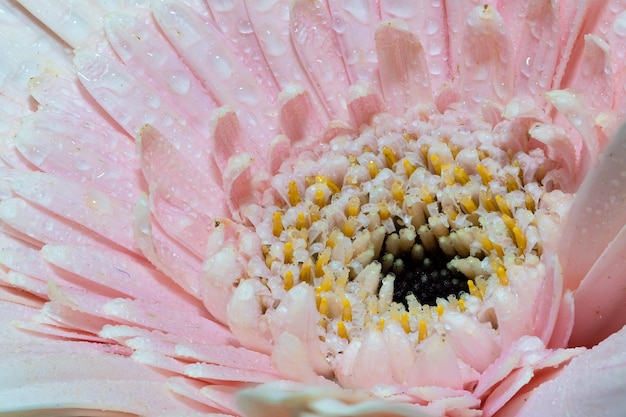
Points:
(596, 215)
(320, 55)
(354, 22)
(132, 103)
(592, 384)
(428, 19)
(99, 158)
(364, 105)
(210, 54)
(163, 252)
(39, 226)
(600, 299)
(146, 52)
(89, 208)
(37, 380)
(402, 67)
(534, 39)
(298, 117)
(167, 169)
(486, 63)
(75, 24)
(235, 24)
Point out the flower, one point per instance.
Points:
(342, 208)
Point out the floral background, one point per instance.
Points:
(165, 166)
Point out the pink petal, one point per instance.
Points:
(89, 208)
(75, 24)
(354, 22)
(38, 380)
(167, 169)
(163, 252)
(132, 103)
(402, 67)
(600, 299)
(428, 19)
(592, 384)
(317, 47)
(596, 215)
(146, 53)
(210, 54)
(486, 69)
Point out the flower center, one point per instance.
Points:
(402, 222)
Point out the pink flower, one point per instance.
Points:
(389, 208)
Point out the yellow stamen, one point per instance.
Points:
(488, 202)
(383, 210)
(343, 277)
(436, 164)
(520, 239)
(409, 168)
(460, 175)
(319, 199)
(461, 304)
(300, 221)
(323, 309)
(354, 206)
(314, 214)
(288, 280)
(485, 242)
(390, 157)
(341, 330)
(346, 313)
(439, 310)
(502, 276)
(381, 324)
(473, 290)
(322, 261)
(293, 194)
(404, 322)
(422, 332)
(503, 206)
(530, 203)
(448, 177)
(511, 183)
(499, 250)
(332, 238)
(450, 212)
(467, 203)
(424, 151)
(454, 149)
(484, 175)
(305, 272)
(397, 191)
(425, 195)
(288, 252)
(322, 179)
(327, 282)
(508, 222)
(349, 227)
(409, 137)
(373, 169)
(277, 223)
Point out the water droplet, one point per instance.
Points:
(619, 26)
(152, 100)
(245, 27)
(432, 27)
(82, 165)
(222, 5)
(222, 66)
(179, 83)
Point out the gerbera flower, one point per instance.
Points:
(307, 208)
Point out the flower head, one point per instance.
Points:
(336, 208)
